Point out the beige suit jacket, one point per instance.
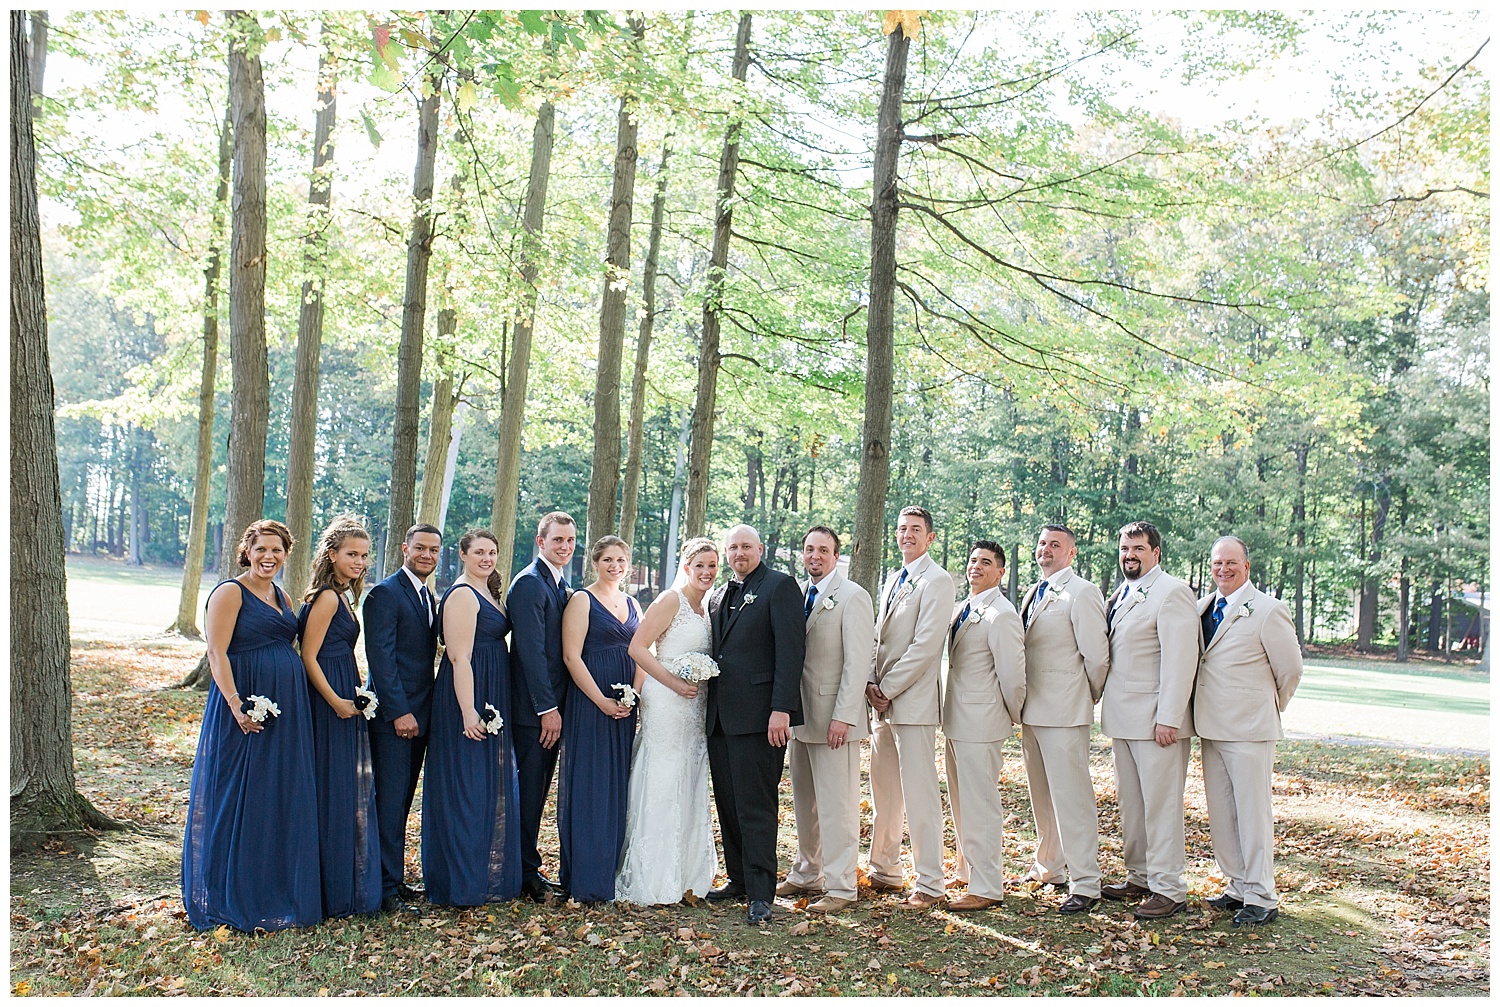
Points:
(1067, 652)
(840, 651)
(911, 627)
(1153, 658)
(985, 687)
(1248, 672)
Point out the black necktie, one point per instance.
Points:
(732, 595)
(427, 603)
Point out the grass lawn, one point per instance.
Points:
(1383, 861)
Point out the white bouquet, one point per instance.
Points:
(491, 719)
(628, 695)
(366, 702)
(694, 668)
(260, 709)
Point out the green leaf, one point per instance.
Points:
(370, 130)
(534, 21)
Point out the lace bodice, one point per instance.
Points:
(688, 633)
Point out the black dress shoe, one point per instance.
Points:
(1254, 916)
(396, 904)
(411, 894)
(1224, 903)
(1077, 904)
(729, 892)
(535, 888)
(760, 912)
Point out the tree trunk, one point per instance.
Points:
(250, 398)
(300, 447)
(439, 426)
(705, 401)
(875, 460)
(413, 318)
(197, 541)
(1369, 589)
(604, 476)
(513, 401)
(133, 555)
(37, 57)
(629, 504)
(674, 511)
(44, 799)
(1299, 523)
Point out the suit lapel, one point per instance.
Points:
(716, 612)
(1231, 613)
(834, 584)
(751, 583)
(410, 593)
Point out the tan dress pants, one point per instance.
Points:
(1064, 806)
(973, 769)
(825, 801)
(904, 790)
(1149, 781)
(1237, 783)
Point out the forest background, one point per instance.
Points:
(673, 271)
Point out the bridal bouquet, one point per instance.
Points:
(628, 695)
(491, 719)
(366, 702)
(694, 668)
(260, 709)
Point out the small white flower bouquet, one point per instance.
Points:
(366, 702)
(628, 695)
(695, 668)
(260, 709)
(491, 719)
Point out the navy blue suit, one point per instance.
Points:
(538, 683)
(401, 649)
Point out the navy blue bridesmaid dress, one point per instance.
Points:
(595, 776)
(348, 836)
(471, 829)
(250, 849)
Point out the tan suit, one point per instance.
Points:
(1067, 661)
(911, 628)
(1153, 658)
(825, 783)
(1246, 677)
(982, 694)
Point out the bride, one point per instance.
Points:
(669, 842)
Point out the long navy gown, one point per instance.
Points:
(250, 850)
(595, 778)
(348, 838)
(471, 829)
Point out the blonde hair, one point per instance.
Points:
(342, 528)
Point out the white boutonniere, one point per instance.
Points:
(1247, 610)
(628, 695)
(749, 600)
(906, 589)
(977, 614)
(491, 719)
(1143, 593)
(260, 709)
(366, 702)
(829, 603)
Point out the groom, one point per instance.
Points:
(753, 704)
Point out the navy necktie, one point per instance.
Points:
(1217, 616)
(895, 590)
(962, 618)
(427, 603)
(1036, 599)
(812, 596)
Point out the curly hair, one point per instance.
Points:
(342, 528)
(255, 530)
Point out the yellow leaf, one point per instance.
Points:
(467, 95)
(273, 34)
(221, 933)
(202, 17)
(890, 977)
(22, 988)
(910, 22)
(1213, 965)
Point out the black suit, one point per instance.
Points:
(538, 683)
(759, 638)
(400, 647)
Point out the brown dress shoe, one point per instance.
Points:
(921, 901)
(829, 904)
(876, 885)
(970, 903)
(791, 888)
(1124, 891)
(1157, 907)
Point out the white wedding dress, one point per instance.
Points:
(669, 840)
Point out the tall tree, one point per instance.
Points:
(250, 400)
(635, 435)
(299, 463)
(43, 796)
(705, 401)
(513, 397)
(197, 536)
(604, 478)
(445, 393)
(875, 456)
